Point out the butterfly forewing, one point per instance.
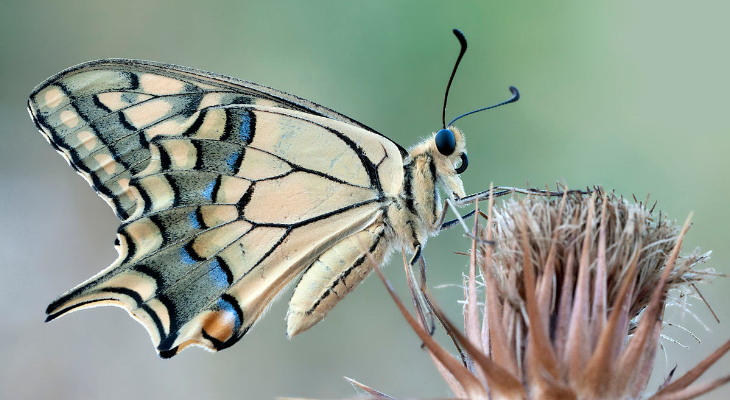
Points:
(101, 116)
(229, 190)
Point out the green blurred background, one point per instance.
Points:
(632, 95)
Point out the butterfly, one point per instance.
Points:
(228, 190)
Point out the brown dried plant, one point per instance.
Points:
(574, 292)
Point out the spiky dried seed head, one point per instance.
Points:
(574, 293)
(579, 287)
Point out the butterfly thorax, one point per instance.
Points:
(415, 215)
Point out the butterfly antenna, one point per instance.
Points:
(462, 41)
(515, 97)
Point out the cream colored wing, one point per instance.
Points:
(102, 115)
(335, 274)
(231, 212)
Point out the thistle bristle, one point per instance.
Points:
(578, 285)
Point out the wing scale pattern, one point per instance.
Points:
(100, 116)
(227, 212)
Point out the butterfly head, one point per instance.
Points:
(443, 154)
(447, 145)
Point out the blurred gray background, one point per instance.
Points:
(632, 95)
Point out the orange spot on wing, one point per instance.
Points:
(219, 325)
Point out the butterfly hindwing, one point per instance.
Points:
(230, 212)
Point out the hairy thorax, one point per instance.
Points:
(414, 214)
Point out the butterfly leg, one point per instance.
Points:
(335, 274)
(453, 222)
(418, 294)
(502, 191)
(441, 225)
(498, 192)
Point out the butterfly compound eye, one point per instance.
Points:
(464, 163)
(445, 142)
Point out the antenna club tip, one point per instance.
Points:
(460, 35)
(515, 93)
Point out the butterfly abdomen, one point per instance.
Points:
(335, 274)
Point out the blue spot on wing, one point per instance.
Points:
(193, 218)
(208, 190)
(244, 130)
(186, 257)
(232, 161)
(226, 306)
(217, 275)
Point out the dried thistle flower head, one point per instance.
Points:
(578, 290)
(574, 294)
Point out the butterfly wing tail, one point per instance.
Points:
(260, 277)
(115, 286)
(175, 266)
(85, 295)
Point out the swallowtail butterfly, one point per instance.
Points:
(228, 190)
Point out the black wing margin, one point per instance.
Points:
(101, 115)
